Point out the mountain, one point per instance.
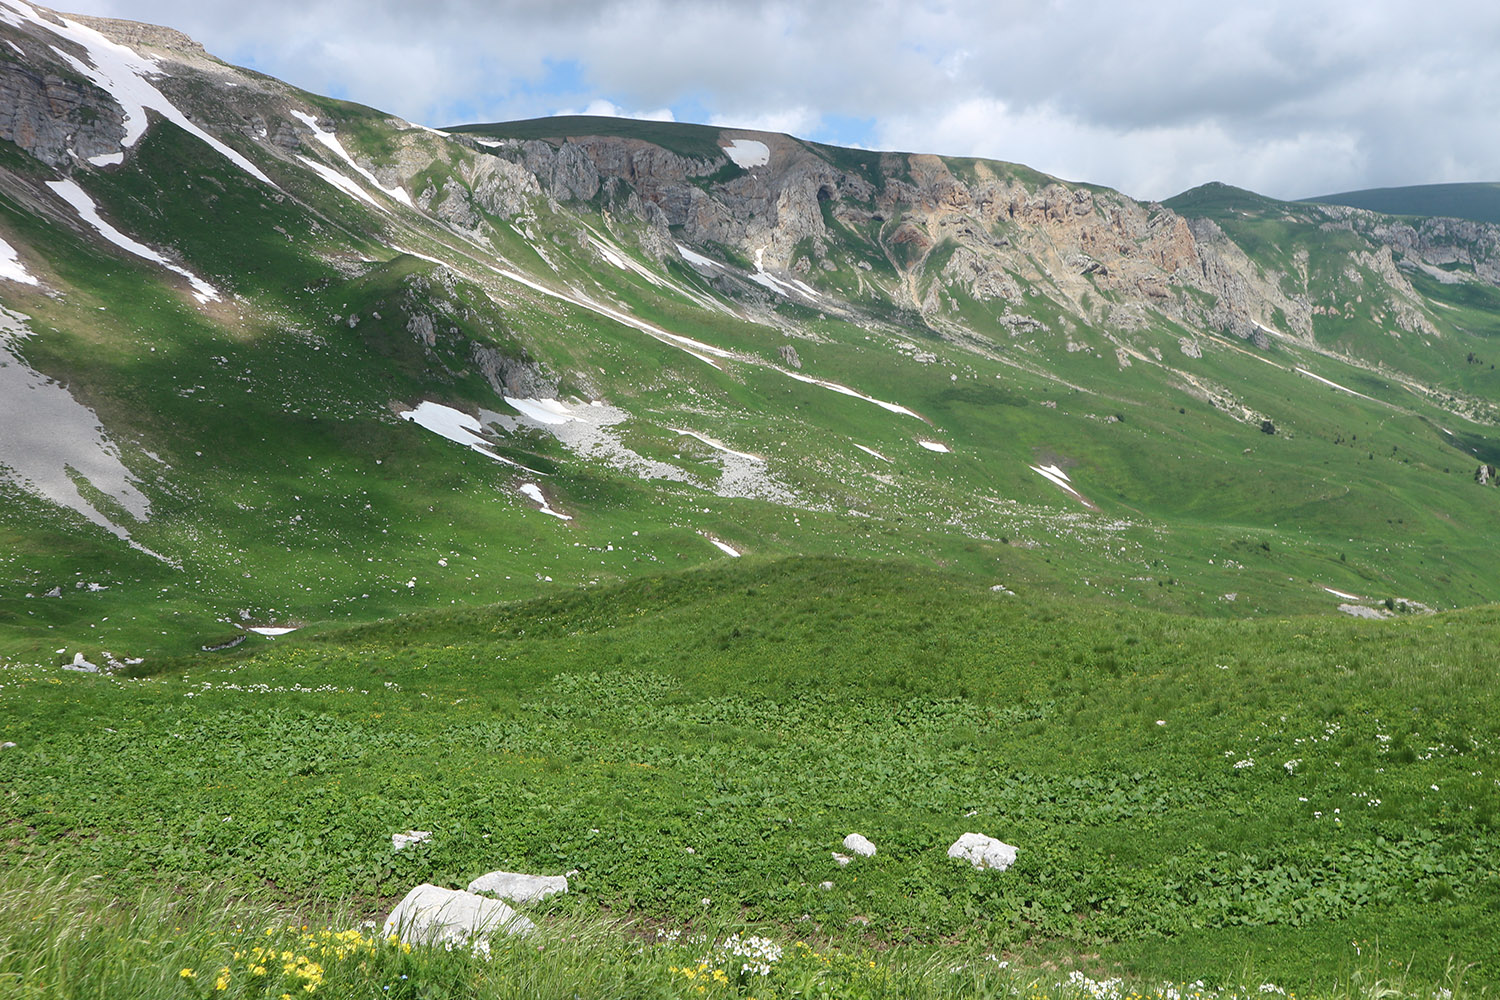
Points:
(659, 504)
(275, 360)
(1476, 202)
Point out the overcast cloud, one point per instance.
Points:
(1287, 97)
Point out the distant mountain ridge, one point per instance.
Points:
(1477, 202)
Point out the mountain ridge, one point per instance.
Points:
(807, 333)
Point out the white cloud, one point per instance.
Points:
(1289, 97)
(608, 109)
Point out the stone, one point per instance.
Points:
(519, 888)
(983, 852)
(81, 665)
(859, 844)
(841, 859)
(432, 915)
(789, 356)
(401, 841)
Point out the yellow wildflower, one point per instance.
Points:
(188, 974)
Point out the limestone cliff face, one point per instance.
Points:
(996, 231)
(57, 119)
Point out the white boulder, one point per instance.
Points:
(431, 914)
(519, 888)
(859, 844)
(841, 859)
(983, 852)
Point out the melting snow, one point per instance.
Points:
(535, 492)
(1340, 593)
(845, 390)
(748, 153)
(872, 451)
(1055, 475)
(543, 411)
(11, 267)
(458, 427)
(775, 284)
(341, 182)
(51, 441)
(272, 631)
(74, 195)
(724, 547)
(332, 142)
(125, 74)
(696, 259)
(1328, 382)
(107, 159)
(936, 446)
(717, 445)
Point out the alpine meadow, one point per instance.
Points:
(789, 571)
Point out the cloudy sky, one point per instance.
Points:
(1287, 97)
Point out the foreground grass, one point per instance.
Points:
(1190, 798)
(62, 937)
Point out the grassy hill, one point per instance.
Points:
(1188, 796)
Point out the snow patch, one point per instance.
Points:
(543, 411)
(777, 285)
(11, 268)
(936, 446)
(271, 631)
(126, 75)
(1340, 593)
(107, 159)
(1054, 475)
(1341, 388)
(748, 153)
(458, 427)
(534, 491)
(872, 451)
(717, 445)
(696, 259)
(69, 191)
(332, 142)
(845, 390)
(51, 441)
(341, 182)
(723, 547)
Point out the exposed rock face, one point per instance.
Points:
(521, 377)
(789, 356)
(57, 119)
(1484, 475)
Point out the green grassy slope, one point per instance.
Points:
(1187, 795)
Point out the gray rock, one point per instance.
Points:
(789, 356)
(519, 888)
(983, 852)
(81, 665)
(859, 844)
(401, 841)
(432, 915)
